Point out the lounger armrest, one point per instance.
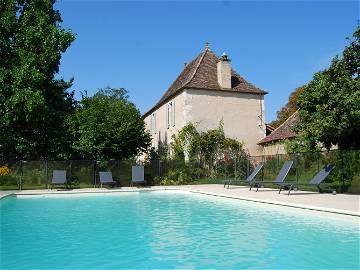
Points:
(287, 184)
(260, 181)
(233, 181)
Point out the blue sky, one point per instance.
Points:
(142, 46)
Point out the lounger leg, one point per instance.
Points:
(280, 189)
(251, 186)
(290, 188)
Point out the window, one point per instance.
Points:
(170, 114)
(153, 123)
(173, 113)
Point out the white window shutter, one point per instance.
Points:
(167, 115)
(154, 122)
(173, 113)
(151, 124)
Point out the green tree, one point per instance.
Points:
(210, 154)
(330, 105)
(210, 144)
(300, 144)
(185, 143)
(206, 147)
(33, 104)
(108, 126)
(290, 107)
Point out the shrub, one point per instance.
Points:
(4, 170)
(182, 175)
(8, 180)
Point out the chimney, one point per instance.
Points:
(224, 72)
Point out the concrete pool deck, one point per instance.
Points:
(340, 204)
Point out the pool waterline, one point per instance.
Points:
(330, 207)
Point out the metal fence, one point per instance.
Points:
(344, 178)
(84, 173)
(80, 173)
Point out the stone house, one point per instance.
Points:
(206, 92)
(273, 144)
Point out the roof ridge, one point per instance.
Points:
(197, 67)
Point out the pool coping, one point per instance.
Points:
(189, 189)
(292, 205)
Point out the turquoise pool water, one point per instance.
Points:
(168, 230)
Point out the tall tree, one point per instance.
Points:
(290, 107)
(330, 105)
(33, 104)
(108, 126)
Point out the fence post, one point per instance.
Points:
(94, 173)
(226, 169)
(318, 162)
(263, 170)
(297, 166)
(46, 173)
(118, 162)
(235, 166)
(247, 166)
(21, 174)
(159, 167)
(70, 164)
(343, 172)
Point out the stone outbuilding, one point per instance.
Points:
(274, 143)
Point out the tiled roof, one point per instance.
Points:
(269, 129)
(284, 131)
(201, 73)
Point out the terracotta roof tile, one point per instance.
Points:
(201, 73)
(285, 130)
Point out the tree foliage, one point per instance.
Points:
(290, 107)
(206, 146)
(300, 144)
(185, 143)
(329, 106)
(33, 104)
(108, 126)
(202, 154)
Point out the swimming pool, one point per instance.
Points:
(164, 229)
